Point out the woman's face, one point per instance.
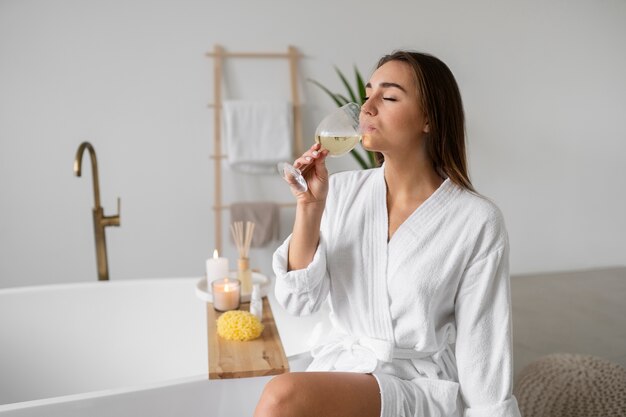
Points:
(392, 119)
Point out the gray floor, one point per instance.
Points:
(570, 312)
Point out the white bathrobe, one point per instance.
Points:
(427, 313)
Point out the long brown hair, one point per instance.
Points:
(442, 105)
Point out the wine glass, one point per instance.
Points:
(338, 133)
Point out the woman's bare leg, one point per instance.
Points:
(315, 394)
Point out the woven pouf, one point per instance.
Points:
(568, 385)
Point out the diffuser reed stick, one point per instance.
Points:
(243, 239)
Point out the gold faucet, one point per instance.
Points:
(100, 221)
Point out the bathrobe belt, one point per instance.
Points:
(361, 354)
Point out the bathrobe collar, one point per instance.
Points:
(429, 210)
(377, 221)
(382, 264)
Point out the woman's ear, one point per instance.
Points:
(426, 127)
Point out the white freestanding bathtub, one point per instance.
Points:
(123, 348)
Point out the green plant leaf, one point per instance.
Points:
(327, 91)
(359, 158)
(360, 85)
(372, 158)
(347, 85)
(343, 99)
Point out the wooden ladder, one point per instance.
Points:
(219, 55)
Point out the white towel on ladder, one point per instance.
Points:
(258, 134)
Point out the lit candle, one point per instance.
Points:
(226, 294)
(216, 268)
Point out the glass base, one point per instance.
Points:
(293, 176)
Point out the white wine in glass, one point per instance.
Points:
(339, 133)
(338, 145)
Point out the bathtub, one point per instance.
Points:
(123, 348)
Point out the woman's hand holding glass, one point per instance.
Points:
(313, 167)
(337, 134)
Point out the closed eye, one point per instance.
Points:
(384, 98)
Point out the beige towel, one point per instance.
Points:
(265, 217)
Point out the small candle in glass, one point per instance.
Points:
(226, 294)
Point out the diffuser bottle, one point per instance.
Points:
(244, 274)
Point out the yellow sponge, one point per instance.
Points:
(239, 325)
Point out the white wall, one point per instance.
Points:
(543, 84)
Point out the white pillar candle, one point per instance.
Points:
(216, 268)
(226, 294)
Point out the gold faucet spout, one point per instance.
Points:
(100, 221)
(78, 164)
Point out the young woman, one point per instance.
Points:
(413, 262)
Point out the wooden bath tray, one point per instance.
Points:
(259, 357)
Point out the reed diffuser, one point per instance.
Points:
(243, 239)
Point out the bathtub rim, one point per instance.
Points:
(86, 284)
(304, 358)
(100, 393)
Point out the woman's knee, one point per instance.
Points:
(279, 397)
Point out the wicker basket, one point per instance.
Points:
(568, 385)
